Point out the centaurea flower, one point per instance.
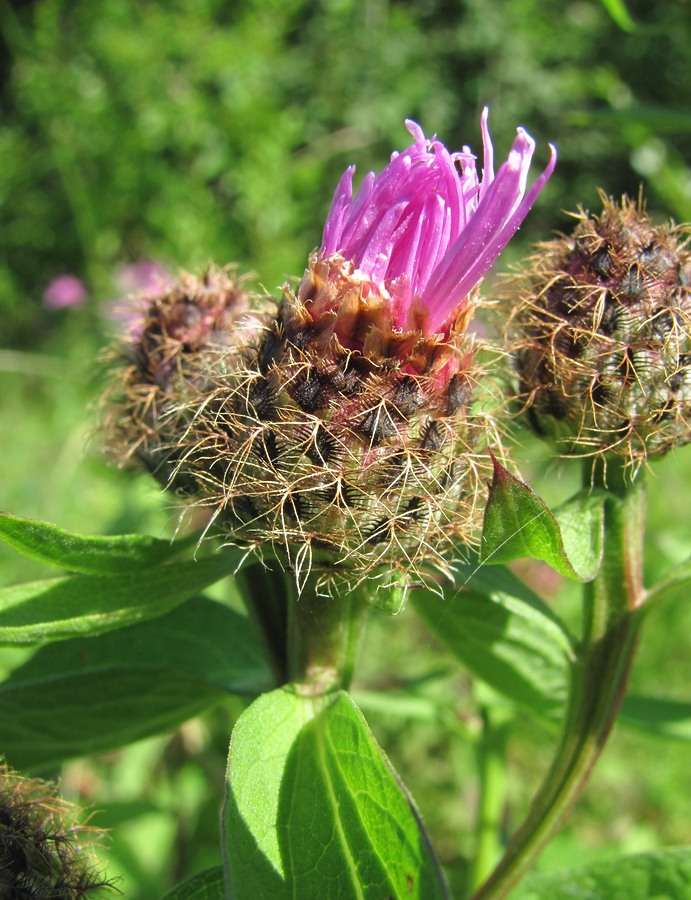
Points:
(425, 231)
(341, 427)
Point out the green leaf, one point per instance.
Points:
(669, 719)
(518, 524)
(507, 637)
(507, 644)
(89, 555)
(620, 14)
(77, 605)
(89, 695)
(672, 584)
(581, 523)
(208, 885)
(656, 875)
(315, 810)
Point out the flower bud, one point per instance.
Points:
(602, 321)
(157, 367)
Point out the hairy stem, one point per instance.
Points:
(323, 637)
(611, 625)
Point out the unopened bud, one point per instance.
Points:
(602, 320)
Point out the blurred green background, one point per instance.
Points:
(198, 129)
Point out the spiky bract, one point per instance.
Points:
(41, 857)
(602, 320)
(315, 428)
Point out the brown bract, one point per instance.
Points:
(601, 323)
(316, 429)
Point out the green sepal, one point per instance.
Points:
(518, 524)
(314, 809)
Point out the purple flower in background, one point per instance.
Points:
(64, 292)
(145, 276)
(427, 229)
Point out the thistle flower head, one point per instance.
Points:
(602, 327)
(422, 234)
(338, 428)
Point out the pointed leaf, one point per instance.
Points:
(208, 885)
(89, 555)
(514, 644)
(91, 695)
(315, 810)
(78, 605)
(620, 14)
(518, 524)
(642, 876)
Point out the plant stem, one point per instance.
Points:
(611, 625)
(491, 754)
(323, 636)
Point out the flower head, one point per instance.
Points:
(602, 335)
(425, 231)
(341, 427)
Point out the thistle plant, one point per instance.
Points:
(333, 446)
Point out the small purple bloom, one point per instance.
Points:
(64, 292)
(428, 227)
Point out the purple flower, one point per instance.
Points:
(64, 292)
(428, 227)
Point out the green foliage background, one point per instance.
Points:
(200, 129)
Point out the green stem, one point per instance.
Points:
(612, 620)
(491, 753)
(323, 634)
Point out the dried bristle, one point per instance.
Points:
(41, 856)
(602, 328)
(355, 461)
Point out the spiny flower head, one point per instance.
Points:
(603, 335)
(338, 428)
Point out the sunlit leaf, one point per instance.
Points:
(78, 605)
(315, 810)
(98, 555)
